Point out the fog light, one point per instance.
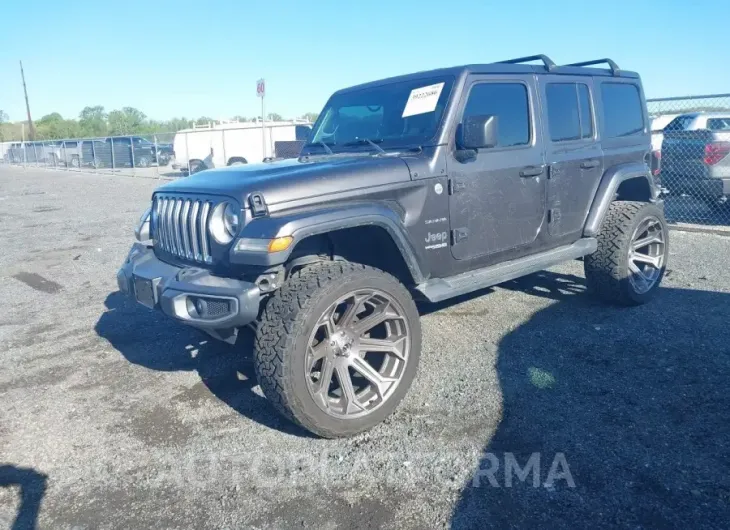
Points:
(197, 307)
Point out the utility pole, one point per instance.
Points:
(261, 92)
(31, 129)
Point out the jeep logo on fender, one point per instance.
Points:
(437, 237)
(437, 240)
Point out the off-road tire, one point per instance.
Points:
(283, 334)
(607, 269)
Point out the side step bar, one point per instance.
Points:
(439, 289)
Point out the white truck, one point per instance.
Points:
(230, 143)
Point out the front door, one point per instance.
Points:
(497, 194)
(572, 150)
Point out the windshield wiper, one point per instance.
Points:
(367, 141)
(323, 144)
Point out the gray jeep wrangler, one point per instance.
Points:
(425, 186)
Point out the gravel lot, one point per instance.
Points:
(113, 417)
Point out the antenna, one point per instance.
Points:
(31, 129)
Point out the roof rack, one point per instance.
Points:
(549, 64)
(615, 70)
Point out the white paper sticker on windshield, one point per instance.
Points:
(422, 100)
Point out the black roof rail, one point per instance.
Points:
(615, 70)
(549, 64)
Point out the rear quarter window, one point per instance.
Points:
(718, 124)
(623, 114)
(680, 123)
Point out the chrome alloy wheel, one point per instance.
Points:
(647, 254)
(357, 353)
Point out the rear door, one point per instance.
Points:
(572, 152)
(497, 194)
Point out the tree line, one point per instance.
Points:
(95, 121)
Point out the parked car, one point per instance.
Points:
(229, 144)
(124, 152)
(429, 186)
(695, 157)
(657, 136)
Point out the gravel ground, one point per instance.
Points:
(114, 417)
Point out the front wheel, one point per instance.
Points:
(338, 347)
(633, 246)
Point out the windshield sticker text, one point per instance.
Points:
(422, 100)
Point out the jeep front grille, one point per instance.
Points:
(180, 227)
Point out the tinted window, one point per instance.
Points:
(507, 101)
(622, 112)
(586, 115)
(563, 114)
(680, 123)
(569, 111)
(718, 124)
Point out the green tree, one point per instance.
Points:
(273, 116)
(175, 124)
(93, 121)
(126, 121)
(4, 131)
(204, 120)
(53, 126)
(311, 117)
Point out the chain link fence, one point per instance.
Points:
(164, 154)
(690, 139)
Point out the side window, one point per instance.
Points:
(622, 111)
(569, 111)
(507, 101)
(563, 113)
(718, 124)
(680, 123)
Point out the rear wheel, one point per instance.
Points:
(338, 347)
(633, 246)
(143, 161)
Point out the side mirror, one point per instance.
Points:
(477, 132)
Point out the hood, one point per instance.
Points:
(294, 179)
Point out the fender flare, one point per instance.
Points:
(607, 189)
(304, 224)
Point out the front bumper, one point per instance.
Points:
(178, 292)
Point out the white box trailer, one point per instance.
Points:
(225, 144)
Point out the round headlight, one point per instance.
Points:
(231, 219)
(142, 231)
(224, 223)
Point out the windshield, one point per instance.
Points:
(397, 115)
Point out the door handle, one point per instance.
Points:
(589, 164)
(532, 171)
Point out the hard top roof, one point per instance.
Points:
(512, 66)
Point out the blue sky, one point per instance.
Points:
(172, 58)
